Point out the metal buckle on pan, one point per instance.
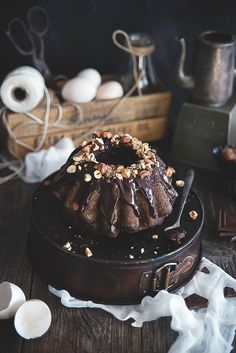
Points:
(168, 274)
(162, 275)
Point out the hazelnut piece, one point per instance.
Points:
(97, 133)
(87, 177)
(193, 215)
(71, 169)
(170, 171)
(107, 134)
(88, 252)
(179, 183)
(67, 246)
(102, 167)
(126, 173)
(97, 174)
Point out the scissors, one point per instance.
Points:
(33, 33)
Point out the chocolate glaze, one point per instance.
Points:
(112, 189)
(47, 208)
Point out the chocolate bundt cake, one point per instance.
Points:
(114, 184)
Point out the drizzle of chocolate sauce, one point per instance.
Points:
(46, 211)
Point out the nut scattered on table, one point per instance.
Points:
(193, 215)
(88, 252)
(131, 256)
(155, 236)
(67, 246)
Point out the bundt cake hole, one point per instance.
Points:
(118, 155)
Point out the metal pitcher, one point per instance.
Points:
(213, 72)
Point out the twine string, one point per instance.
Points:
(129, 49)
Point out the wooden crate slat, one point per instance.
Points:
(146, 129)
(135, 108)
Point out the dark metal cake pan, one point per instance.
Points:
(111, 275)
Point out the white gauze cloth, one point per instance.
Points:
(208, 330)
(39, 165)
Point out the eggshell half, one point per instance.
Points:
(109, 90)
(32, 319)
(11, 298)
(79, 90)
(91, 75)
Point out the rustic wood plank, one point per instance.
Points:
(157, 336)
(14, 264)
(144, 129)
(83, 330)
(134, 108)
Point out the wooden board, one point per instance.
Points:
(146, 129)
(134, 108)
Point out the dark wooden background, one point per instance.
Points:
(80, 33)
(80, 30)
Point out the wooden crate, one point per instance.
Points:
(142, 116)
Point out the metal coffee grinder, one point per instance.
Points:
(209, 118)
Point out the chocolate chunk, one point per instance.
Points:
(227, 223)
(205, 270)
(229, 292)
(195, 301)
(175, 236)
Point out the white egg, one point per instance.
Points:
(91, 75)
(109, 90)
(79, 90)
(11, 298)
(32, 319)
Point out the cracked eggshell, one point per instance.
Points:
(32, 319)
(79, 90)
(91, 75)
(11, 298)
(110, 90)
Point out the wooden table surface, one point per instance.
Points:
(92, 330)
